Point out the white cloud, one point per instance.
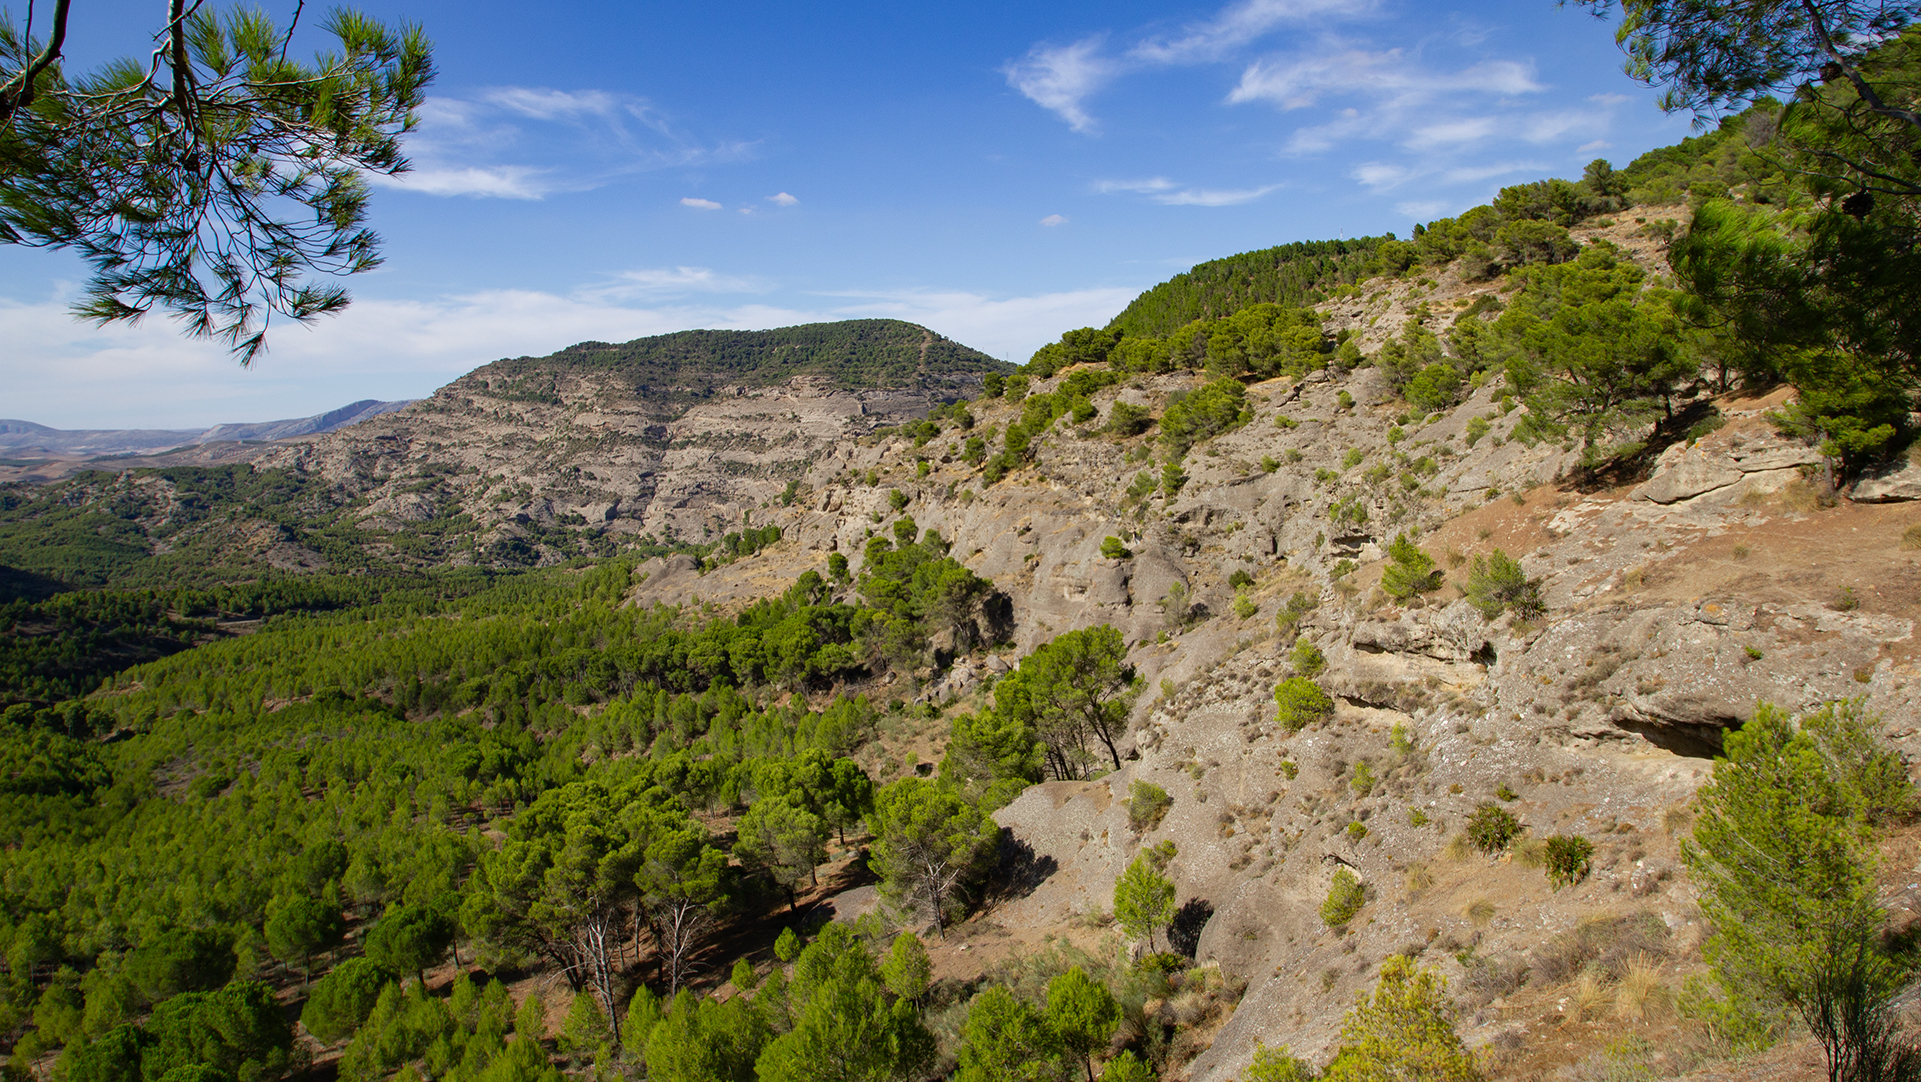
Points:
(499, 182)
(1168, 193)
(1151, 184)
(1422, 208)
(1468, 173)
(1008, 327)
(544, 103)
(699, 204)
(669, 280)
(1300, 82)
(782, 199)
(1059, 79)
(1594, 146)
(1054, 219)
(1191, 197)
(1380, 175)
(1471, 130)
(71, 375)
(1241, 23)
(530, 142)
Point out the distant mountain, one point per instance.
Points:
(17, 436)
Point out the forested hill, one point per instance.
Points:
(848, 355)
(1290, 274)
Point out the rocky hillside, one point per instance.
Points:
(526, 461)
(1675, 600)
(675, 436)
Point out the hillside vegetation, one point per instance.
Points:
(1321, 664)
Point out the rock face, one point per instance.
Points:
(581, 442)
(1896, 483)
(1673, 607)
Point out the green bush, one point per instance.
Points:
(1567, 858)
(1217, 407)
(1299, 702)
(1173, 479)
(1147, 804)
(1411, 572)
(1491, 828)
(1113, 549)
(1496, 584)
(1240, 580)
(1345, 897)
(1125, 419)
(1307, 658)
(1435, 387)
(1477, 428)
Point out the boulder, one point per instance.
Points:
(1891, 484)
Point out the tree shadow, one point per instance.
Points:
(1018, 870)
(1184, 935)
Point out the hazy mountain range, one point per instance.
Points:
(25, 436)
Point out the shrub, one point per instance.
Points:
(1125, 419)
(1346, 400)
(1244, 605)
(1411, 571)
(897, 500)
(1476, 428)
(1113, 549)
(1269, 1065)
(1269, 463)
(1491, 828)
(1300, 701)
(1240, 580)
(1567, 858)
(1348, 512)
(1435, 387)
(1345, 897)
(1496, 584)
(1147, 804)
(1405, 1030)
(1307, 658)
(1217, 407)
(1363, 781)
(1173, 478)
(1355, 832)
(1352, 458)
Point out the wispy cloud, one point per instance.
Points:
(71, 375)
(1295, 83)
(1422, 208)
(516, 142)
(664, 281)
(699, 204)
(1061, 78)
(1168, 193)
(1239, 24)
(499, 182)
(1054, 219)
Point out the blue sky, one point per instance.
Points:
(999, 172)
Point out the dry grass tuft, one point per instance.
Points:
(1589, 996)
(1530, 852)
(1417, 879)
(1641, 995)
(1478, 912)
(1458, 848)
(1801, 496)
(1677, 819)
(1911, 537)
